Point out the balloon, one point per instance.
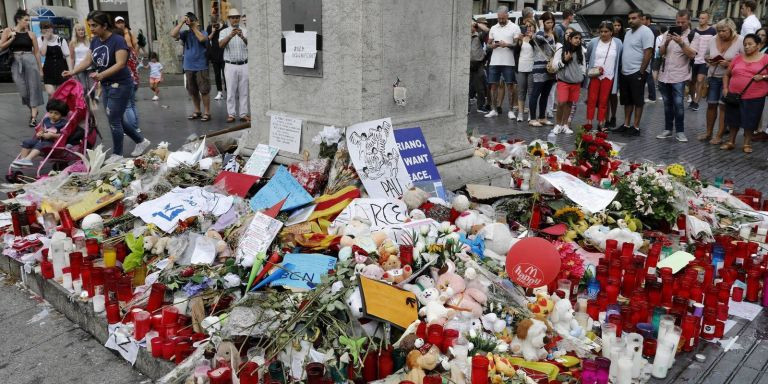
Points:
(533, 262)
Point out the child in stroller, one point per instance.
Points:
(47, 136)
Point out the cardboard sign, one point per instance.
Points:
(418, 161)
(533, 262)
(388, 303)
(281, 186)
(308, 268)
(94, 200)
(300, 49)
(260, 160)
(285, 133)
(381, 213)
(374, 153)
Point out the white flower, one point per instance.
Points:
(445, 227)
(424, 230)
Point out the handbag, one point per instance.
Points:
(733, 99)
(598, 71)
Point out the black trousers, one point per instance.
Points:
(477, 82)
(218, 73)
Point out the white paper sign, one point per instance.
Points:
(300, 49)
(179, 204)
(257, 238)
(374, 153)
(380, 213)
(586, 196)
(260, 160)
(285, 133)
(124, 344)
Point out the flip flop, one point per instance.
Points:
(205, 117)
(230, 119)
(194, 116)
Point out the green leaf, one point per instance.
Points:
(136, 258)
(230, 262)
(197, 279)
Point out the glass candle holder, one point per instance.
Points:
(110, 256)
(125, 288)
(98, 303)
(608, 336)
(249, 373)
(386, 363)
(170, 315)
(141, 324)
(480, 369)
(156, 297)
(75, 261)
(157, 346)
(565, 286)
(113, 313)
(92, 248)
(603, 369)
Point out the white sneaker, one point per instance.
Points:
(664, 135)
(511, 115)
(689, 98)
(218, 96)
(550, 115)
(520, 117)
(649, 101)
(681, 137)
(492, 113)
(140, 148)
(155, 98)
(565, 129)
(557, 129)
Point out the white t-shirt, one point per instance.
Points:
(56, 41)
(525, 61)
(507, 34)
(605, 56)
(659, 41)
(751, 25)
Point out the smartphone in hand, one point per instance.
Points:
(675, 30)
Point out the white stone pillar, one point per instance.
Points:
(366, 47)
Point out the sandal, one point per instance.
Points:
(704, 137)
(727, 146)
(205, 117)
(535, 123)
(32, 122)
(194, 116)
(230, 119)
(747, 148)
(716, 141)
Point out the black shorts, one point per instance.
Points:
(632, 89)
(699, 69)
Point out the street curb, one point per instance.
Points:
(80, 313)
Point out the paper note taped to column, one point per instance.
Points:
(285, 133)
(300, 49)
(586, 196)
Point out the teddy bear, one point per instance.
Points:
(469, 300)
(529, 339)
(460, 362)
(372, 271)
(498, 240)
(563, 320)
(414, 198)
(156, 245)
(418, 363)
(394, 271)
(222, 249)
(433, 306)
(492, 323)
(355, 305)
(471, 221)
(421, 283)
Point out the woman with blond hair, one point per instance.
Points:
(79, 46)
(720, 52)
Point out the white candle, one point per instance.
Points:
(635, 352)
(77, 286)
(98, 303)
(624, 370)
(673, 335)
(66, 281)
(617, 351)
(582, 304)
(662, 359)
(608, 337)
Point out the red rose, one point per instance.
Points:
(587, 127)
(602, 153)
(592, 149)
(587, 138)
(602, 135)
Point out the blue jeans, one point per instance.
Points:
(131, 115)
(116, 100)
(674, 113)
(539, 96)
(651, 87)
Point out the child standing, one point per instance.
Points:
(155, 74)
(46, 137)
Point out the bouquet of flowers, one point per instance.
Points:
(593, 153)
(649, 194)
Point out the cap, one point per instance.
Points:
(233, 12)
(119, 18)
(482, 20)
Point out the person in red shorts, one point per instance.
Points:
(571, 68)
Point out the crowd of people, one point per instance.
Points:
(105, 59)
(545, 63)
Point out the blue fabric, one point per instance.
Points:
(131, 115)
(591, 53)
(194, 51)
(35, 143)
(715, 91)
(59, 125)
(116, 100)
(674, 112)
(746, 115)
(103, 53)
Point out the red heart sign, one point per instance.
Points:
(533, 262)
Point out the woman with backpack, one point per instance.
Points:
(570, 63)
(55, 51)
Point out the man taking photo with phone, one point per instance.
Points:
(195, 64)
(234, 40)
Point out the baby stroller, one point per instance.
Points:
(62, 154)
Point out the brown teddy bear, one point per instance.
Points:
(394, 271)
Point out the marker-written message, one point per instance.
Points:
(300, 49)
(285, 133)
(418, 161)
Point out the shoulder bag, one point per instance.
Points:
(733, 99)
(597, 71)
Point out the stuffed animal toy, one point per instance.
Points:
(386, 249)
(372, 271)
(394, 272)
(414, 198)
(222, 249)
(418, 363)
(460, 362)
(355, 227)
(563, 320)
(149, 242)
(469, 300)
(597, 234)
(498, 240)
(227, 351)
(471, 221)
(417, 214)
(433, 306)
(161, 245)
(529, 339)
(421, 283)
(355, 304)
(460, 203)
(492, 323)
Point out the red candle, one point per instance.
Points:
(222, 375)
(667, 288)
(156, 296)
(628, 283)
(754, 276)
(141, 323)
(593, 309)
(169, 330)
(480, 369)
(432, 379)
(16, 221)
(449, 337)
(370, 366)
(435, 334)
(85, 276)
(46, 269)
(113, 313)
(249, 373)
(610, 246)
(689, 335)
(649, 347)
(612, 291)
(66, 219)
(157, 346)
(75, 260)
(125, 288)
(710, 321)
(182, 350)
(737, 294)
(386, 363)
(627, 249)
(157, 322)
(722, 311)
(92, 248)
(406, 254)
(169, 348)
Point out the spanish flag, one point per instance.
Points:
(329, 206)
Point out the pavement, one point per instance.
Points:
(44, 351)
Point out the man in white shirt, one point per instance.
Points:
(502, 38)
(751, 23)
(234, 41)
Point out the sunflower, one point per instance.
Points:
(538, 152)
(569, 214)
(676, 170)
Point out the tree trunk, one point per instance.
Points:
(166, 45)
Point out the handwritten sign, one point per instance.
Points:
(281, 185)
(388, 303)
(300, 49)
(380, 213)
(260, 160)
(180, 204)
(308, 268)
(374, 153)
(586, 196)
(94, 200)
(257, 238)
(285, 133)
(418, 161)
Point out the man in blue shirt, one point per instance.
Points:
(195, 63)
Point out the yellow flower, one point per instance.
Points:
(569, 212)
(538, 152)
(676, 170)
(614, 153)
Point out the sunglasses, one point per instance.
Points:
(234, 17)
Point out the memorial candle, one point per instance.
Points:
(624, 371)
(66, 280)
(98, 303)
(141, 323)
